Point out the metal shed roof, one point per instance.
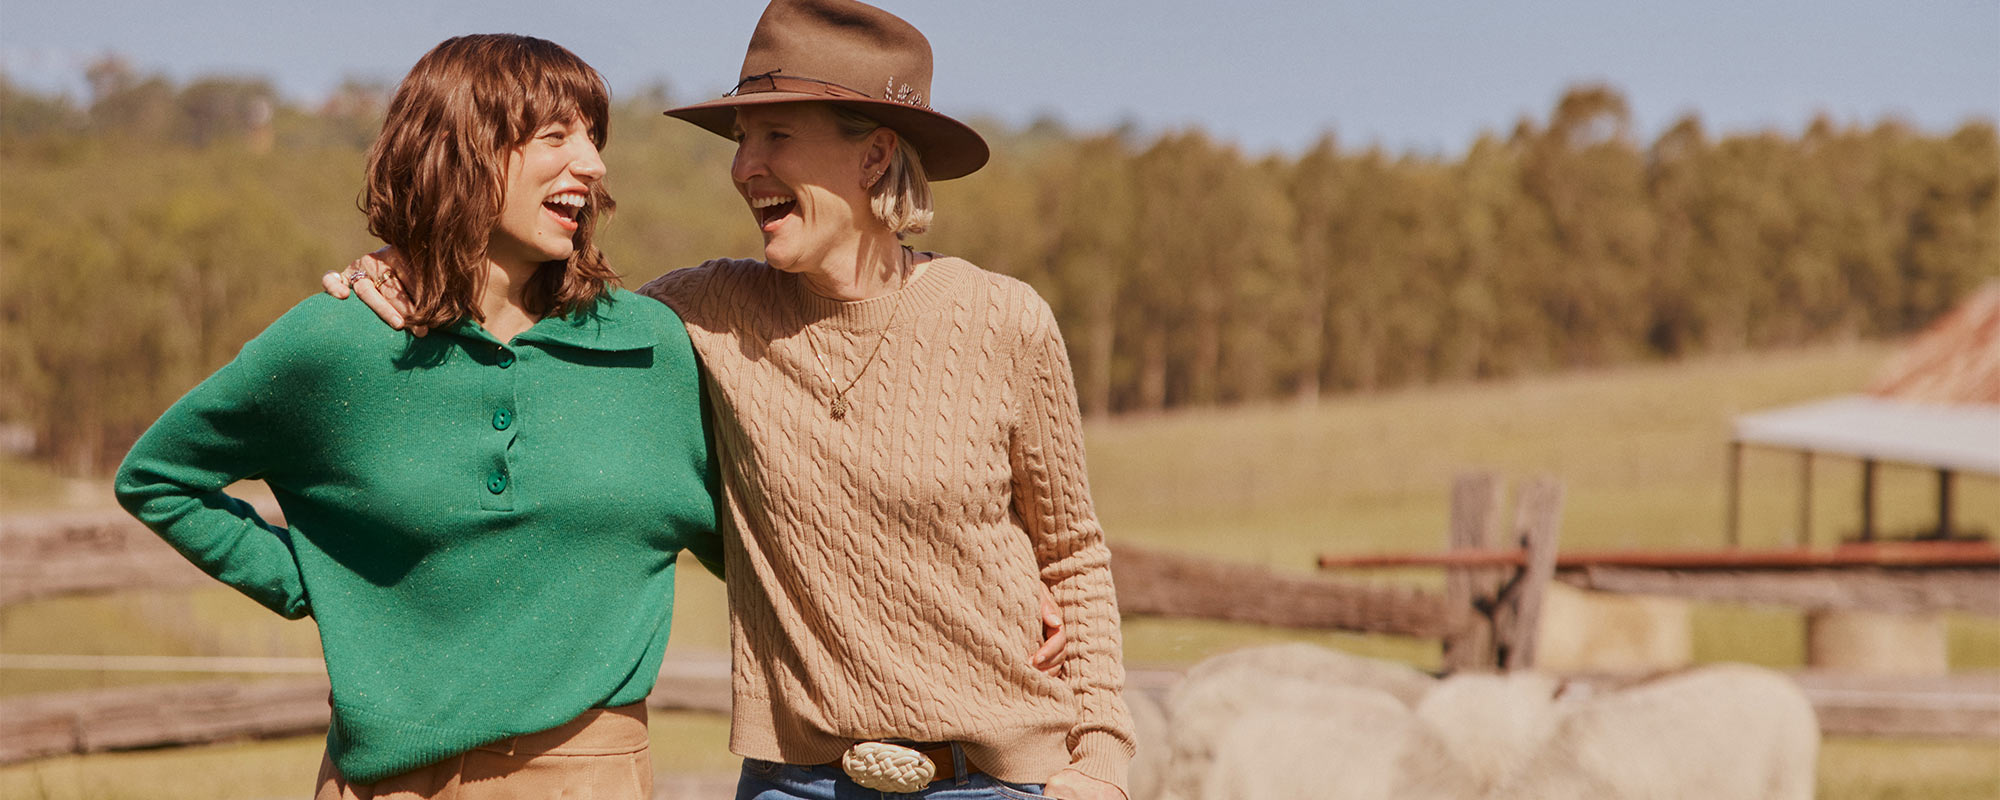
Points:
(1963, 438)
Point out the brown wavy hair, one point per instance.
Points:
(437, 173)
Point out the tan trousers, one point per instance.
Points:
(600, 755)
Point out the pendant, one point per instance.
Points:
(839, 407)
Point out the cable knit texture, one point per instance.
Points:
(882, 565)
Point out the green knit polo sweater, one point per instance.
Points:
(484, 532)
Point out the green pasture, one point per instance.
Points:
(1640, 449)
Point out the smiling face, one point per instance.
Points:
(806, 183)
(548, 183)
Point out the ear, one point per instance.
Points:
(875, 156)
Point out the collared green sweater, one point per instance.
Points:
(484, 532)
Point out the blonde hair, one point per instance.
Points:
(901, 199)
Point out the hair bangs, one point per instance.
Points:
(560, 87)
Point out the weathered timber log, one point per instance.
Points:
(174, 714)
(1970, 589)
(1965, 705)
(50, 555)
(1151, 583)
(160, 715)
(22, 581)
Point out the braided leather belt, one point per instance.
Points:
(890, 767)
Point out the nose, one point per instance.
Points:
(747, 164)
(588, 166)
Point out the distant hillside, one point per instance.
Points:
(152, 231)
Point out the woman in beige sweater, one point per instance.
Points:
(901, 447)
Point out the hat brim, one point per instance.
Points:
(949, 148)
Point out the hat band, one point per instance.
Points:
(773, 82)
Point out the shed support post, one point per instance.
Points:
(1944, 527)
(1805, 497)
(1734, 491)
(1868, 500)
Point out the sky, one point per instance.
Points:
(1408, 75)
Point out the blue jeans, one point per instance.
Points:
(766, 780)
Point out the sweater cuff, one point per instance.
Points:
(1103, 756)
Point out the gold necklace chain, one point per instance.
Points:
(838, 406)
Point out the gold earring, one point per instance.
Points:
(875, 178)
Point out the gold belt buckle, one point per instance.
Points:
(887, 767)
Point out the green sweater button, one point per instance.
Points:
(497, 483)
(506, 359)
(502, 419)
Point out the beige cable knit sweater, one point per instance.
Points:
(882, 566)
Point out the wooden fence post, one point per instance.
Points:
(1475, 517)
(1518, 615)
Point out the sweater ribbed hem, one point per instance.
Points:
(368, 747)
(1104, 757)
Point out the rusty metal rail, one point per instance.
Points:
(1877, 554)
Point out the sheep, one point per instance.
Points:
(1148, 773)
(1310, 690)
(1295, 721)
(1488, 727)
(1725, 732)
(1330, 743)
(1320, 665)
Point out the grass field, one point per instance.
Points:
(1640, 449)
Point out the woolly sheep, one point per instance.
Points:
(1726, 732)
(1148, 773)
(1312, 681)
(1320, 665)
(1337, 743)
(1490, 726)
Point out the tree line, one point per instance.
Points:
(153, 228)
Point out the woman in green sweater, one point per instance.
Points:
(483, 522)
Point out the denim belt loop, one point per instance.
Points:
(958, 769)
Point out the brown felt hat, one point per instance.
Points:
(854, 54)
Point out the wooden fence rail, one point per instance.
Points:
(1151, 583)
(166, 715)
(1486, 618)
(175, 714)
(1974, 590)
(51, 555)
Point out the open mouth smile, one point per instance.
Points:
(771, 209)
(566, 208)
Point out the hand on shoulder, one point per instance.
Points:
(371, 278)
